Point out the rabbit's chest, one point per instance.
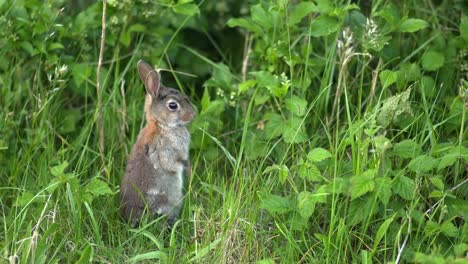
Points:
(171, 153)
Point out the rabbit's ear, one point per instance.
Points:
(150, 77)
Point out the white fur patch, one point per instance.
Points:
(154, 191)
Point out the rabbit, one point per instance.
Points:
(153, 177)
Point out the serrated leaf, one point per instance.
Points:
(59, 170)
(283, 171)
(247, 85)
(275, 204)
(412, 25)
(188, 9)
(310, 172)
(449, 229)
(296, 105)
(404, 187)
(382, 231)
(318, 154)
(27, 198)
(297, 222)
(387, 78)
(294, 131)
(431, 228)
(98, 187)
(393, 107)
(338, 185)
(407, 149)
(362, 184)
(382, 143)
(437, 182)
(447, 161)
(460, 249)
(261, 17)
(423, 163)
(324, 25)
(274, 126)
(432, 60)
(300, 10)
(305, 204)
(383, 188)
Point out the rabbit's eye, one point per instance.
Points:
(173, 106)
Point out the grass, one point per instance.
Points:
(373, 201)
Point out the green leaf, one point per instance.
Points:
(381, 143)
(422, 163)
(412, 25)
(362, 184)
(387, 78)
(460, 249)
(221, 77)
(404, 187)
(248, 24)
(300, 10)
(464, 28)
(87, 255)
(324, 6)
(432, 60)
(294, 131)
(203, 251)
(428, 86)
(28, 198)
(447, 161)
(310, 172)
(297, 105)
(324, 26)
(383, 189)
(188, 9)
(305, 204)
(261, 17)
(393, 107)
(247, 85)
(437, 182)
(266, 261)
(318, 154)
(152, 255)
(431, 228)
(59, 170)
(54, 46)
(275, 204)
(449, 229)
(98, 187)
(269, 81)
(283, 171)
(407, 149)
(28, 47)
(274, 126)
(382, 231)
(409, 72)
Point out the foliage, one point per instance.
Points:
(326, 132)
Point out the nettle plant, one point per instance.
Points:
(326, 74)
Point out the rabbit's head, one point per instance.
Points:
(165, 106)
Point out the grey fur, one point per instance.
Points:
(153, 177)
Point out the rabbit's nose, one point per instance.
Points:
(187, 117)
